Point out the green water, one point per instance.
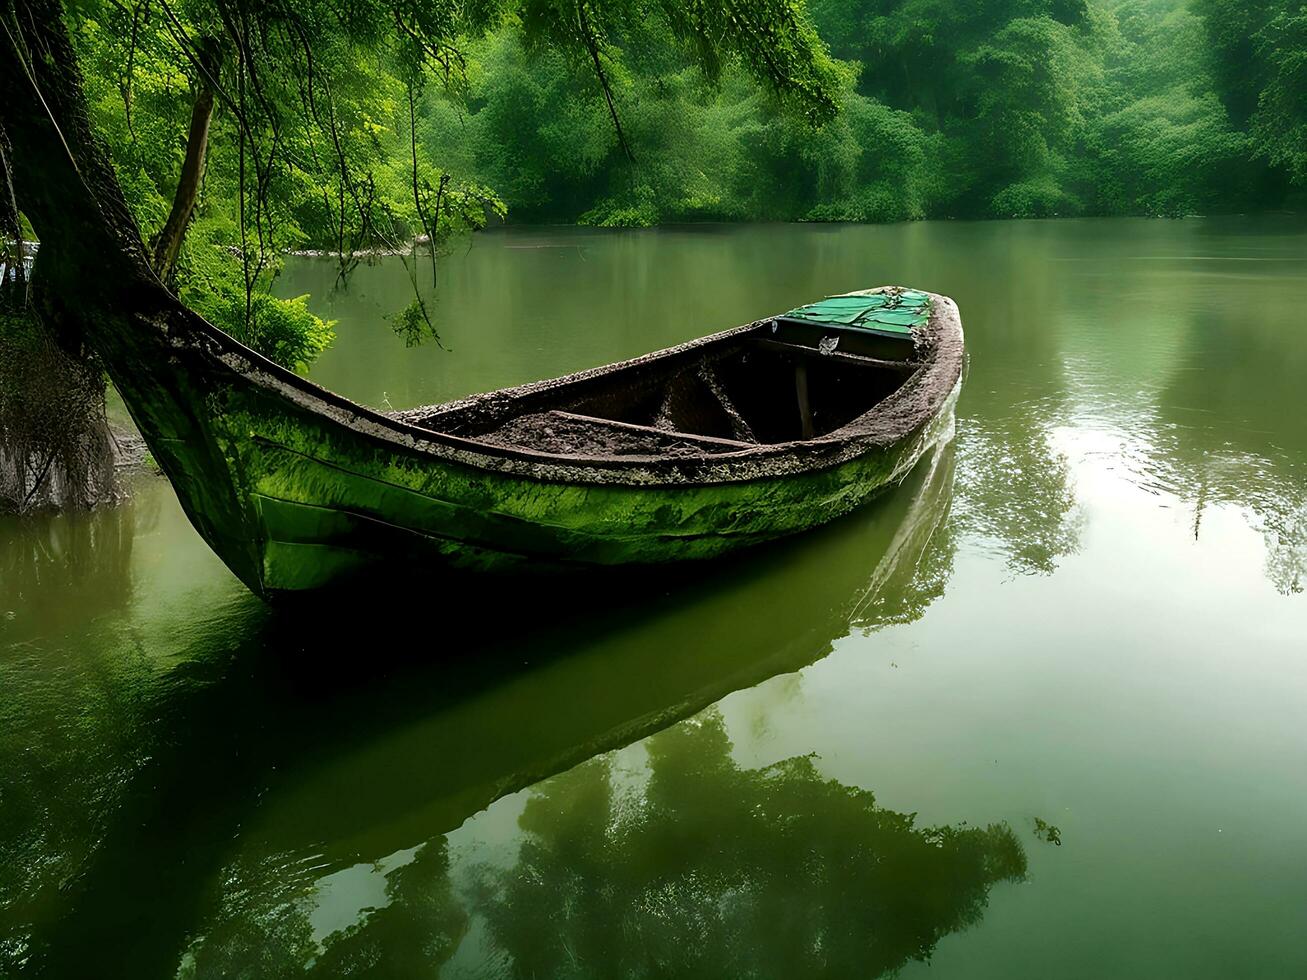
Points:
(838, 756)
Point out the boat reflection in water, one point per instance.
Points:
(306, 772)
(688, 864)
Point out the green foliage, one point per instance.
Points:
(1025, 103)
(1170, 154)
(1157, 140)
(1280, 123)
(705, 147)
(281, 329)
(413, 322)
(1232, 29)
(999, 108)
(1040, 196)
(330, 134)
(774, 40)
(335, 131)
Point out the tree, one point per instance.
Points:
(305, 151)
(1280, 123)
(1001, 80)
(1258, 56)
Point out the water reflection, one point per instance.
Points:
(692, 867)
(1015, 493)
(1183, 349)
(65, 570)
(1015, 489)
(1230, 435)
(255, 776)
(709, 869)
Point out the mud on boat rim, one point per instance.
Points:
(900, 416)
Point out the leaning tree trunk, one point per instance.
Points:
(61, 174)
(55, 445)
(95, 274)
(167, 242)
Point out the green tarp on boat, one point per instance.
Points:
(890, 312)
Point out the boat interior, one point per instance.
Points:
(779, 382)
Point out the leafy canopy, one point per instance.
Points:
(314, 142)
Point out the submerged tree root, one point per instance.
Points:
(56, 449)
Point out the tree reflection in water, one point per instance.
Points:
(1014, 490)
(64, 570)
(710, 869)
(1213, 444)
(698, 867)
(416, 928)
(1015, 495)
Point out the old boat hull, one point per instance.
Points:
(298, 489)
(348, 504)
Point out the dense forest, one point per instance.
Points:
(890, 110)
(996, 108)
(238, 131)
(901, 110)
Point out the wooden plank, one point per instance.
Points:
(653, 430)
(839, 357)
(739, 427)
(801, 391)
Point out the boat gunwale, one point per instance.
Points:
(903, 412)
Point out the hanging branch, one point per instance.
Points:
(309, 101)
(429, 225)
(240, 183)
(450, 60)
(129, 72)
(345, 253)
(591, 41)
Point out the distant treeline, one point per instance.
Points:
(950, 108)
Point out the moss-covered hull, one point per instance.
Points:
(298, 489)
(329, 504)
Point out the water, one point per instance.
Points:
(1036, 713)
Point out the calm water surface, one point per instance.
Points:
(1040, 712)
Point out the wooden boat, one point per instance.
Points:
(737, 438)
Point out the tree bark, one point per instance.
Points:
(62, 178)
(57, 173)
